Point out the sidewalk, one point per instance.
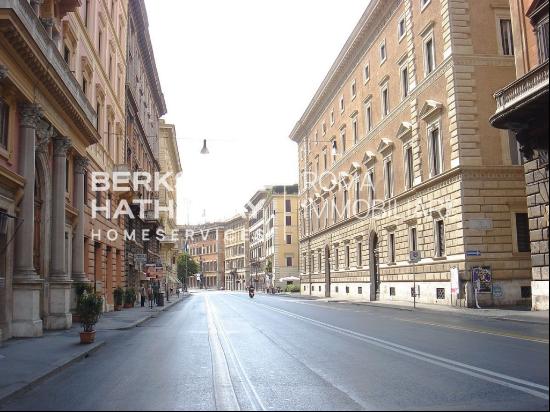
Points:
(509, 314)
(30, 361)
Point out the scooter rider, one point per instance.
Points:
(251, 291)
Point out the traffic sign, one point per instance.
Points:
(473, 253)
(415, 256)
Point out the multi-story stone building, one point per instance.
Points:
(144, 106)
(405, 160)
(281, 239)
(237, 258)
(522, 107)
(256, 224)
(46, 125)
(205, 244)
(95, 49)
(169, 160)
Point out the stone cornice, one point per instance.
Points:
(139, 13)
(369, 27)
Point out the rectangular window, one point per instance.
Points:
(67, 55)
(523, 235)
(288, 239)
(289, 262)
(99, 42)
(4, 123)
(409, 168)
(334, 210)
(98, 120)
(87, 13)
(289, 220)
(347, 257)
(357, 195)
(347, 290)
(401, 28)
(288, 206)
(355, 131)
(336, 259)
(388, 178)
(542, 39)
(383, 53)
(371, 188)
(320, 262)
(368, 118)
(385, 101)
(332, 117)
(413, 239)
(391, 248)
(343, 138)
(342, 105)
(429, 56)
(84, 86)
(392, 291)
(440, 294)
(325, 159)
(366, 73)
(439, 238)
(359, 255)
(506, 37)
(346, 204)
(404, 82)
(359, 290)
(434, 137)
(354, 90)
(424, 4)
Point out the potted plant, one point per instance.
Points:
(130, 297)
(90, 307)
(80, 289)
(118, 294)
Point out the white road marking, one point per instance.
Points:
(224, 392)
(487, 375)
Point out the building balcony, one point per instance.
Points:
(151, 218)
(523, 108)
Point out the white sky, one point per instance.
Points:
(240, 73)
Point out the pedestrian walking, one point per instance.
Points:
(178, 292)
(150, 296)
(143, 293)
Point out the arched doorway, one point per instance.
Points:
(327, 272)
(374, 267)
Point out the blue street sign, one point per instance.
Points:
(472, 253)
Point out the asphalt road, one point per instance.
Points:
(225, 351)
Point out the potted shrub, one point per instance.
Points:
(118, 295)
(90, 307)
(130, 297)
(80, 289)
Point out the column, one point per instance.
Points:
(60, 316)
(79, 273)
(27, 285)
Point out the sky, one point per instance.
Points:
(240, 73)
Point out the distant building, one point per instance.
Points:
(144, 106)
(281, 237)
(237, 257)
(205, 244)
(523, 109)
(169, 161)
(256, 228)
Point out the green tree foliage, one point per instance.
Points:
(186, 267)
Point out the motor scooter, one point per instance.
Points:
(251, 294)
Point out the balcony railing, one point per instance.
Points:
(522, 89)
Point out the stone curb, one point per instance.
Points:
(407, 309)
(39, 378)
(149, 316)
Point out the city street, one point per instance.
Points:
(224, 351)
